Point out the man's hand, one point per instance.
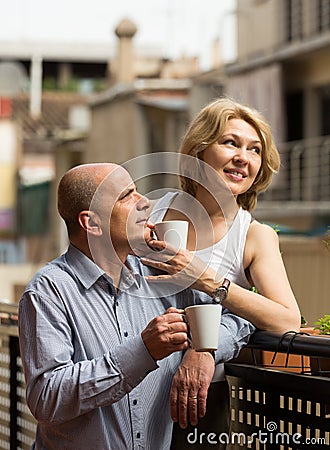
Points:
(190, 386)
(166, 334)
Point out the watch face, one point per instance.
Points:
(220, 294)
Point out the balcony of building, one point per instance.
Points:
(276, 30)
(304, 20)
(301, 191)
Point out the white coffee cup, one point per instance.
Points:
(204, 325)
(174, 232)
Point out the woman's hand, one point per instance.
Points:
(182, 267)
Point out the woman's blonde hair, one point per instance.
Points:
(209, 125)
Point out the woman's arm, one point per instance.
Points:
(273, 308)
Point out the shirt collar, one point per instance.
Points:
(131, 273)
(88, 272)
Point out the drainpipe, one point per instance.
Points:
(35, 86)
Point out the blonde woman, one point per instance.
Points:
(235, 143)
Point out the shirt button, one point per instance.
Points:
(125, 333)
(134, 402)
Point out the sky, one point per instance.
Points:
(176, 27)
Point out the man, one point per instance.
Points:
(99, 348)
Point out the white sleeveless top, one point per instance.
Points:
(225, 256)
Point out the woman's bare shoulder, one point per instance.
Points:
(259, 230)
(260, 238)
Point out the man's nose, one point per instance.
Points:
(143, 202)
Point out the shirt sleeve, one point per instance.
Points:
(60, 389)
(234, 334)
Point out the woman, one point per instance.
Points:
(236, 143)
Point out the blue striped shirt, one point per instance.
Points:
(91, 382)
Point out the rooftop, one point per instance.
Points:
(54, 115)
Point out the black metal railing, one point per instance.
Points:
(17, 425)
(284, 406)
(304, 20)
(305, 172)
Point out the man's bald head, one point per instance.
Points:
(77, 189)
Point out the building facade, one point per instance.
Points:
(283, 69)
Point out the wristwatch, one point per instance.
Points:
(219, 295)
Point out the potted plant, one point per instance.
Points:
(321, 366)
(305, 328)
(323, 325)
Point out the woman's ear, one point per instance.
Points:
(90, 222)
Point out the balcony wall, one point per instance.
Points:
(308, 266)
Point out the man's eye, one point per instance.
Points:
(125, 194)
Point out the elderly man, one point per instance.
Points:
(99, 347)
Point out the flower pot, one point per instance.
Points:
(320, 366)
(290, 363)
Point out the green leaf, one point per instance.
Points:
(323, 324)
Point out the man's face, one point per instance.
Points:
(125, 211)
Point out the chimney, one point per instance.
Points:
(125, 58)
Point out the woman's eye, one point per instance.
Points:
(256, 150)
(230, 142)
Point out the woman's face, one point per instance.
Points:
(236, 155)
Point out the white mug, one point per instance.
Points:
(204, 325)
(174, 232)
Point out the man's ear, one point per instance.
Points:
(90, 222)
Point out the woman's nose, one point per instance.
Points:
(241, 155)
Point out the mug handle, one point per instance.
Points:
(188, 334)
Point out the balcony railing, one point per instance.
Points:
(281, 407)
(305, 172)
(271, 408)
(305, 19)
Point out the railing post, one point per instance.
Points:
(296, 173)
